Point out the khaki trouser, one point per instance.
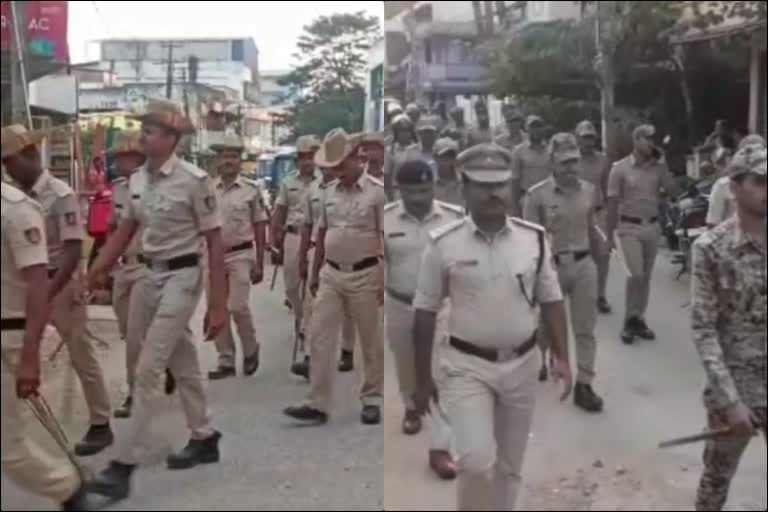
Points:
(639, 245)
(490, 409)
(127, 302)
(23, 460)
(398, 321)
(69, 316)
(356, 294)
(604, 258)
(291, 275)
(169, 301)
(239, 304)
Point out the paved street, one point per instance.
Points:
(652, 392)
(268, 462)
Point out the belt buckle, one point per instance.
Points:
(346, 267)
(566, 258)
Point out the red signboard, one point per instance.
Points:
(45, 30)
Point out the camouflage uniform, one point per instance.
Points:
(729, 330)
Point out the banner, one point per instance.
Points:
(46, 28)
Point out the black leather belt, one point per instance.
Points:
(490, 354)
(245, 246)
(637, 220)
(577, 256)
(182, 262)
(13, 324)
(355, 267)
(294, 230)
(400, 297)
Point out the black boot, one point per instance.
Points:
(114, 482)
(96, 440)
(371, 415)
(78, 502)
(205, 451)
(629, 332)
(301, 368)
(221, 373)
(586, 398)
(643, 331)
(170, 383)
(251, 364)
(603, 306)
(307, 414)
(124, 411)
(347, 362)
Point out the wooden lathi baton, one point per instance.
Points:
(707, 435)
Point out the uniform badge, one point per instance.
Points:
(71, 219)
(33, 236)
(210, 203)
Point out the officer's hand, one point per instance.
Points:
(314, 285)
(741, 420)
(28, 377)
(276, 256)
(95, 281)
(215, 320)
(424, 393)
(257, 274)
(561, 371)
(303, 269)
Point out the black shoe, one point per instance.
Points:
(411, 423)
(124, 411)
(197, 451)
(78, 502)
(347, 362)
(306, 413)
(644, 332)
(251, 364)
(586, 398)
(301, 368)
(603, 306)
(629, 332)
(543, 373)
(96, 440)
(170, 383)
(371, 415)
(221, 373)
(114, 482)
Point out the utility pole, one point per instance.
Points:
(170, 45)
(21, 114)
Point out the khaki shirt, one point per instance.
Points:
(730, 315)
(530, 164)
(477, 135)
(23, 246)
(354, 221)
(449, 191)
(491, 282)
(313, 207)
(638, 188)
(405, 238)
(63, 222)
(293, 196)
(121, 196)
(565, 214)
(241, 207)
(509, 142)
(594, 168)
(176, 205)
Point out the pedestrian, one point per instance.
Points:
(497, 272)
(530, 162)
(594, 167)
(413, 111)
(721, 203)
(511, 134)
(404, 138)
(448, 182)
(347, 276)
(635, 188)
(175, 204)
(481, 133)
(64, 234)
(25, 312)
(287, 220)
(729, 324)
(243, 233)
(407, 224)
(373, 148)
(426, 131)
(566, 206)
(457, 128)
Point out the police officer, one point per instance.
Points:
(373, 149)
(175, 203)
(243, 234)
(511, 134)
(407, 224)
(594, 167)
(481, 133)
(287, 220)
(497, 272)
(25, 308)
(566, 206)
(457, 128)
(404, 138)
(448, 184)
(426, 131)
(64, 233)
(413, 111)
(349, 242)
(635, 187)
(729, 324)
(530, 161)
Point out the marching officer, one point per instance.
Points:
(176, 205)
(530, 161)
(635, 188)
(404, 138)
(413, 111)
(448, 184)
(407, 224)
(243, 234)
(25, 309)
(457, 128)
(481, 133)
(566, 206)
(497, 272)
(64, 233)
(349, 251)
(373, 149)
(512, 133)
(730, 318)
(425, 149)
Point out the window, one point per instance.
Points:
(238, 50)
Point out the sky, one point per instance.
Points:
(275, 26)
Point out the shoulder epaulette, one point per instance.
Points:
(12, 194)
(437, 234)
(454, 208)
(525, 224)
(193, 170)
(60, 188)
(392, 205)
(375, 181)
(537, 186)
(119, 180)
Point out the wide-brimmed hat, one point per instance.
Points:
(167, 114)
(228, 141)
(307, 144)
(586, 129)
(486, 163)
(127, 143)
(373, 139)
(336, 147)
(16, 138)
(445, 145)
(563, 147)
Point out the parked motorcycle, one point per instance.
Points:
(686, 220)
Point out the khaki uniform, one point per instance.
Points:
(69, 314)
(353, 219)
(509, 141)
(730, 318)
(531, 164)
(566, 214)
(128, 284)
(175, 206)
(293, 196)
(405, 238)
(23, 460)
(493, 287)
(593, 168)
(638, 190)
(393, 159)
(477, 135)
(449, 192)
(241, 208)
